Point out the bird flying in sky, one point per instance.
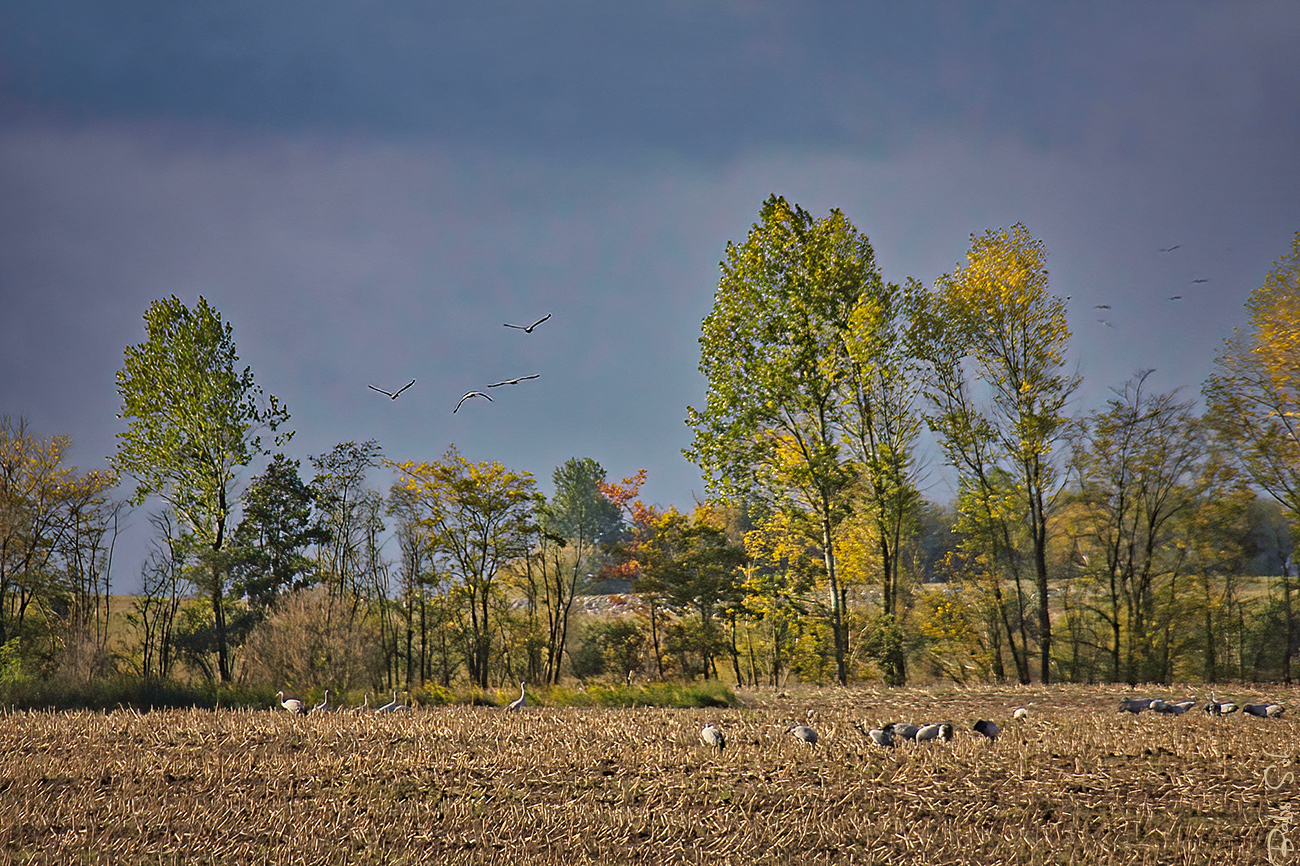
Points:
(514, 381)
(392, 395)
(469, 394)
(1170, 249)
(1102, 306)
(528, 329)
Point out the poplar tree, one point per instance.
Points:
(773, 352)
(193, 421)
(995, 339)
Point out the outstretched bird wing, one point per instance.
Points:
(528, 329)
(467, 396)
(514, 381)
(381, 391)
(403, 388)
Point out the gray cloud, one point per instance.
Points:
(366, 195)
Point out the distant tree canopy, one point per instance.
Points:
(56, 531)
(279, 524)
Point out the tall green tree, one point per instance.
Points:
(194, 419)
(882, 423)
(995, 338)
(773, 352)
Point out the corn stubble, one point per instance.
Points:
(1076, 782)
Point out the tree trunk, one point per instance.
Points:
(837, 614)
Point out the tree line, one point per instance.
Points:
(1141, 541)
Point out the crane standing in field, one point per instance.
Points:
(804, 733)
(392, 706)
(711, 734)
(520, 702)
(293, 705)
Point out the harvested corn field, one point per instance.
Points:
(1074, 781)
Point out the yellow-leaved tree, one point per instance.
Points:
(1253, 396)
(994, 339)
(1253, 402)
(477, 517)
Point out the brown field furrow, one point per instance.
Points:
(1076, 782)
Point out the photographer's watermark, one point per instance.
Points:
(1278, 841)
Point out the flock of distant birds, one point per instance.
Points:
(527, 329)
(298, 708)
(886, 735)
(1110, 324)
(894, 733)
(1213, 707)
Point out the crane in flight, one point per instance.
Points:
(469, 394)
(514, 381)
(527, 329)
(392, 395)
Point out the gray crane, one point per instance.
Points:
(514, 381)
(1268, 710)
(528, 329)
(804, 733)
(1135, 705)
(883, 736)
(941, 731)
(392, 395)
(392, 706)
(520, 702)
(469, 394)
(712, 735)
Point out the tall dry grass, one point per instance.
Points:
(1076, 782)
